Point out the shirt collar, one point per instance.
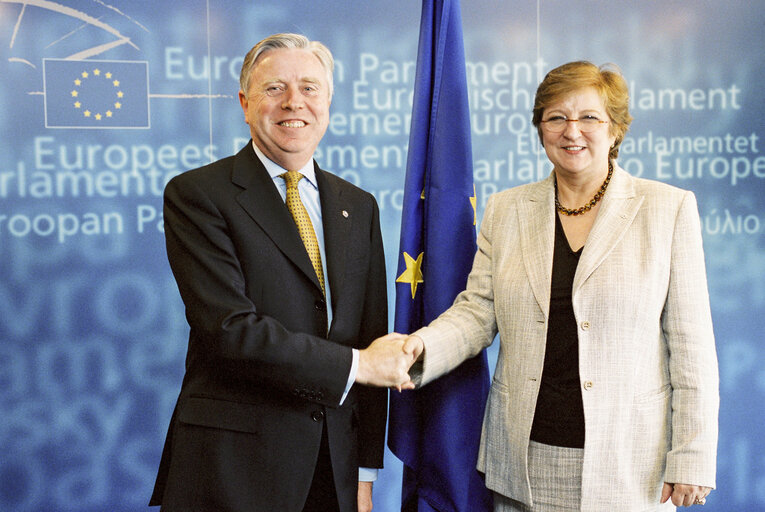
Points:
(275, 170)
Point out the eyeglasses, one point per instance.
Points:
(557, 124)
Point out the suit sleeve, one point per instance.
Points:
(373, 402)
(687, 326)
(236, 341)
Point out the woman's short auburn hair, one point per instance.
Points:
(573, 76)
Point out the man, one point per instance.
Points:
(269, 417)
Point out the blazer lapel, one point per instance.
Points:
(619, 206)
(537, 234)
(337, 218)
(262, 202)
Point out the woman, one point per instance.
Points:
(605, 395)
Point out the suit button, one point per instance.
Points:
(317, 415)
(587, 385)
(320, 305)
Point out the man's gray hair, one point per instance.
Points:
(281, 41)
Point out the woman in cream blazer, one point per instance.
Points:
(646, 358)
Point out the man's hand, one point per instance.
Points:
(384, 363)
(365, 496)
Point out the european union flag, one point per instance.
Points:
(96, 93)
(436, 430)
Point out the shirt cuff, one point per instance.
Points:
(352, 377)
(368, 474)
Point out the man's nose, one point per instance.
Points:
(292, 99)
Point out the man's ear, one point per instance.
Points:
(244, 103)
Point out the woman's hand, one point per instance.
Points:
(684, 495)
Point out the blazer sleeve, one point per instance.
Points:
(228, 336)
(687, 327)
(469, 325)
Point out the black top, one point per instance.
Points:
(559, 416)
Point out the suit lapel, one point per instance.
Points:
(617, 211)
(262, 202)
(337, 217)
(537, 233)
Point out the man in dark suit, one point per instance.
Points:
(273, 414)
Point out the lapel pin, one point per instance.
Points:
(345, 214)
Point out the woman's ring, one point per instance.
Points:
(700, 501)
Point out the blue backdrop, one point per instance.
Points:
(92, 332)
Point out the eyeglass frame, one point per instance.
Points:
(566, 120)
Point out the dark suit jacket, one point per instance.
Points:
(262, 379)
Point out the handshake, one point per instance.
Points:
(387, 360)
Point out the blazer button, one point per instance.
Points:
(317, 415)
(587, 385)
(320, 305)
(585, 326)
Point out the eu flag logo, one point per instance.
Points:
(96, 93)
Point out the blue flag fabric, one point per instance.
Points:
(96, 94)
(436, 430)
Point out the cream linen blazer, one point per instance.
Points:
(647, 359)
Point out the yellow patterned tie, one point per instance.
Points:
(303, 221)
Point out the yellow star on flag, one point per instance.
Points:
(413, 272)
(473, 202)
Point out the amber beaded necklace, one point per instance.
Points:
(593, 201)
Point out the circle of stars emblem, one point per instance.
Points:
(85, 87)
